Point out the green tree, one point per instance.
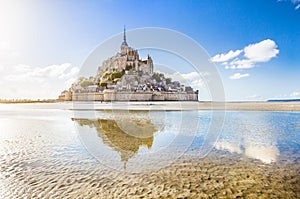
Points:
(105, 74)
(116, 80)
(114, 75)
(103, 84)
(168, 80)
(85, 83)
(158, 76)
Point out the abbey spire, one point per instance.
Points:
(124, 38)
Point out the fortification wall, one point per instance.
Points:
(170, 96)
(87, 97)
(130, 96)
(111, 95)
(126, 96)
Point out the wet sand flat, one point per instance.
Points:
(257, 106)
(184, 105)
(211, 177)
(43, 157)
(174, 105)
(224, 176)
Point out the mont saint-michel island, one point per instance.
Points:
(127, 77)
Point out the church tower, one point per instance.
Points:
(124, 45)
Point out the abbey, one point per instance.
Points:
(127, 57)
(126, 77)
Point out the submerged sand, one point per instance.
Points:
(222, 176)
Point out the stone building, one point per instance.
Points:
(66, 95)
(126, 59)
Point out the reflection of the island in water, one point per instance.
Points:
(124, 135)
(143, 140)
(112, 135)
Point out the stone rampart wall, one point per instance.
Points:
(111, 95)
(87, 97)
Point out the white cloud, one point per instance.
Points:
(21, 68)
(297, 7)
(240, 64)
(24, 81)
(197, 84)
(190, 76)
(252, 54)
(238, 76)
(225, 57)
(73, 72)
(262, 51)
(254, 97)
(193, 79)
(28, 73)
(187, 76)
(295, 94)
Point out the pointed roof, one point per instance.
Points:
(124, 38)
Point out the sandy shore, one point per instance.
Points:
(263, 106)
(172, 105)
(183, 105)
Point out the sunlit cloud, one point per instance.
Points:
(226, 57)
(193, 79)
(262, 51)
(238, 76)
(24, 81)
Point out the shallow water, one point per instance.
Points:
(54, 150)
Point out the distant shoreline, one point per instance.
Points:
(26, 101)
(293, 106)
(251, 106)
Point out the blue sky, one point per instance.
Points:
(44, 43)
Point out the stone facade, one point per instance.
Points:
(65, 96)
(127, 58)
